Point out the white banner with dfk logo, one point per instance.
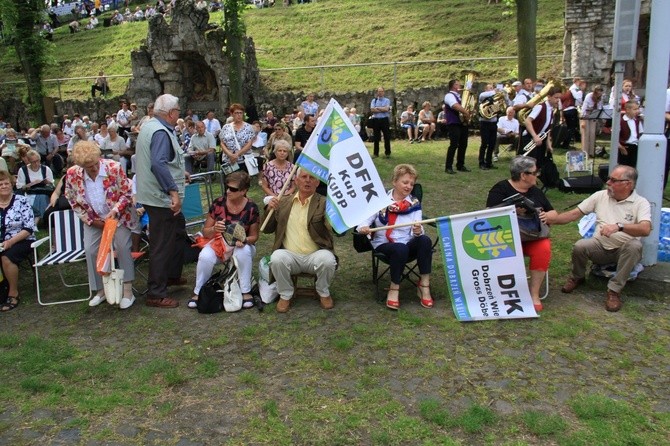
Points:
(483, 265)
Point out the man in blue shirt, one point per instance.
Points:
(381, 114)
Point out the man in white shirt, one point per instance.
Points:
(212, 125)
(123, 118)
(202, 146)
(570, 102)
(523, 95)
(508, 131)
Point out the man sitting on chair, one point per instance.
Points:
(508, 131)
(303, 241)
(201, 147)
(623, 217)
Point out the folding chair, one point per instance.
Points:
(577, 161)
(379, 271)
(66, 245)
(192, 205)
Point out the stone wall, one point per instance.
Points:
(589, 30)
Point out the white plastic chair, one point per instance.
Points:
(66, 245)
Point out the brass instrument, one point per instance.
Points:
(531, 144)
(524, 112)
(509, 91)
(468, 100)
(493, 106)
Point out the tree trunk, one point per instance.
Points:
(234, 35)
(30, 48)
(526, 18)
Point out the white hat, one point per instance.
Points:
(516, 84)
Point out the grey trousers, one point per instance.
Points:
(625, 257)
(122, 244)
(284, 263)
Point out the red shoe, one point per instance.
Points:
(393, 304)
(538, 307)
(425, 302)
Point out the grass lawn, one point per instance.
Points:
(327, 32)
(358, 374)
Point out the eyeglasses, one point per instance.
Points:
(178, 110)
(616, 180)
(238, 112)
(232, 189)
(535, 173)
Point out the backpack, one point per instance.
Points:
(549, 173)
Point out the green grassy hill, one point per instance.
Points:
(327, 33)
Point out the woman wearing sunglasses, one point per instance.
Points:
(233, 207)
(523, 180)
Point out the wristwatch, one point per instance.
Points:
(620, 225)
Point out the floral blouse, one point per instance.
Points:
(228, 135)
(118, 193)
(17, 216)
(275, 177)
(247, 217)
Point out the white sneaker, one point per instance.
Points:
(495, 157)
(97, 300)
(127, 302)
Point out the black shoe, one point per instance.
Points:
(483, 167)
(463, 169)
(387, 155)
(491, 166)
(450, 171)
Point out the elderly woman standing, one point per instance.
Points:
(523, 180)
(236, 138)
(98, 189)
(18, 229)
(233, 207)
(403, 243)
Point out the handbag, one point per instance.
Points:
(210, 297)
(232, 294)
(252, 164)
(221, 292)
(531, 227)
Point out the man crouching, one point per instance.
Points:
(303, 241)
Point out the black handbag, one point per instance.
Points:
(210, 298)
(531, 227)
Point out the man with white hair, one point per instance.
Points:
(202, 146)
(46, 145)
(160, 188)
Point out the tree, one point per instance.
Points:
(22, 20)
(526, 19)
(234, 29)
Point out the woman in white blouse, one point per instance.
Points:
(404, 243)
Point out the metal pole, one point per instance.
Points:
(322, 81)
(652, 145)
(395, 76)
(616, 114)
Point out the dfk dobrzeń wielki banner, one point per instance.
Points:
(483, 265)
(336, 155)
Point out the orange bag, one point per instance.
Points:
(103, 264)
(222, 250)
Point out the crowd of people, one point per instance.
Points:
(162, 149)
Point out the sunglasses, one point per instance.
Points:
(232, 189)
(534, 173)
(616, 180)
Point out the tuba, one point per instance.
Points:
(468, 100)
(493, 106)
(523, 113)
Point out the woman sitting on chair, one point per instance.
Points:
(277, 172)
(523, 172)
(98, 189)
(233, 207)
(18, 232)
(404, 243)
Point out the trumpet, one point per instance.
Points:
(531, 145)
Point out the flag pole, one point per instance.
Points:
(281, 194)
(400, 225)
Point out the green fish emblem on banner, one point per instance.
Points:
(489, 238)
(334, 131)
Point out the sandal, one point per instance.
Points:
(393, 304)
(11, 303)
(425, 302)
(247, 300)
(192, 303)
